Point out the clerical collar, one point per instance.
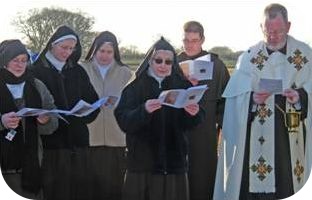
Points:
(55, 62)
(282, 50)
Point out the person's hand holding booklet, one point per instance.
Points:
(180, 98)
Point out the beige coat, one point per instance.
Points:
(105, 130)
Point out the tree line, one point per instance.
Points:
(37, 26)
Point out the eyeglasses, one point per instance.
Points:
(66, 48)
(191, 41)
(278, 33)
(19, 61)
(160, 61)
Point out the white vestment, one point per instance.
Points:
(294, 68)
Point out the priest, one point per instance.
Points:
(262, 157)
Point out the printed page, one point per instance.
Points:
(274, 86)
(81, 109)
(26, 112)
(111, 101)
(186, 67)
(206, 57)
(173, 98)
(202, 70)
(179, 98)
(194, 94)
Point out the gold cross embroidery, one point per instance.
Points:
(297, 59)
(261, 168)
(262, 113)
(259, 60)
(298, 171)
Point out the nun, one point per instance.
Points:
(156, 134)
(20, 144)
(65, 163)
(108, 75)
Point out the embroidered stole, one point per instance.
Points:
(262, 141)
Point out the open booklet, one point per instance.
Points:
(201, 68)
(179, 98)
(81, 109)
(274, 86)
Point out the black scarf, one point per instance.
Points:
(22, 151)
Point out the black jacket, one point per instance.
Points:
(156, 142)
(67, 87)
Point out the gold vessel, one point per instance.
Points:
(291, 119)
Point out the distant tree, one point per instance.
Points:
(221, 50)
(39, 24)
(130, 52)
(131, 56)
(227, 55)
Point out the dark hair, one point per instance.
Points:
(195, 27)
(273, 10)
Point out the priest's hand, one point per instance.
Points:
(260, 97)
(152, 104)
(292, 96)
(192, 109)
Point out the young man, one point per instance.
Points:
(203, 139)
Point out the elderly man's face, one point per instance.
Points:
(275, 32)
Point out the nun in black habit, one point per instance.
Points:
(156, 134)
(20, 145)
(65, 163)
